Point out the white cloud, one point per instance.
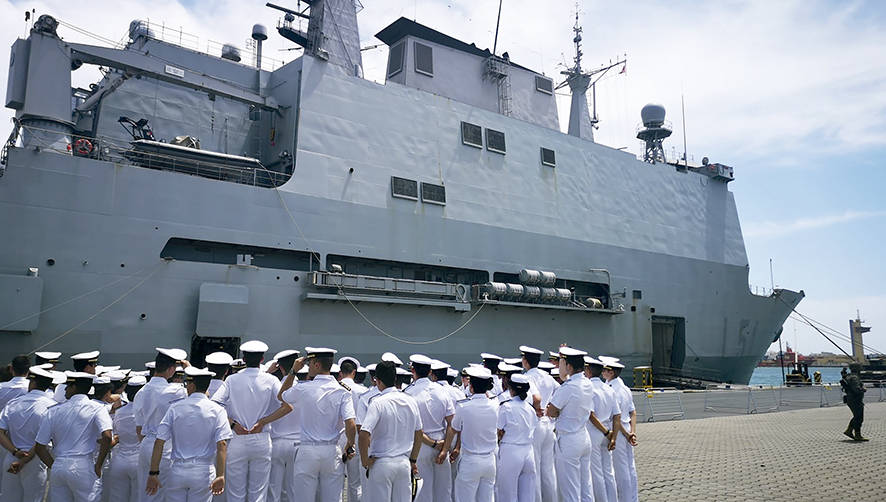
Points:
(780, 228)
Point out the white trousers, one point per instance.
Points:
(190, 482)
(625, 471)
(120, 479)
(28, 485)
(476, 478)
(436, 478)
(319, 473)
(573, 464)
(353, 472)
(282, 469)
(146, 448)
(602, 474)
(517, 477)
(73, 479)
(248, 467)
(543, 447)
(389, 481)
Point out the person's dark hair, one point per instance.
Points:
(201, 383)
(131, 390)
(221, 370)
(440, 374)
(481, 385)
(162, 363)
(20, 365)
(491, 365)
(253, 359)
(81, 364)
(285, 364)
(595, 369)
(102, 389)
(118, 386)
(41, 382)
(325, 362)
(617, 371)
(532, 359)
(347, 366)
(577, 363)
(81, 386)
(421, 370)
(450, 379)
(521, 389)
(386, 373)
(6, 373)
(359, 377)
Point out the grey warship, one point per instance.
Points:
(196, 200)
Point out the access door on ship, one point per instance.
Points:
(668, 345)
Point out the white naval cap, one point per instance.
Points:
(192, 372)
(544, 365)
(391, 357)
(136, 381)
(58, 377)
(555, 355)
(44, 366)
(335, 368)
(78, 375)
(115, 376)
(478, 372)
(139, 373)
(591, 361)
(349, 358)
(100, 380)
(285, 353)
(475, 365)
(452, 372)
(520, 378)
(266, 365)
(303, 370)
(487, 355)
(101, 370)
(238, 364)
(179, 369)
(437, 364)
(255, 346)
(608, 359)
(87, 356)
(570, 352)
(219, 358)
(609, 363)
(420, 359)
(49, 356)
(403, 372)
(371, 367)
(361, 369)
(513, 360)
(555, 372)
(174, 354)
(526, 349)
(39, 371)
(150, 365)
(508, 368)
(319, 352)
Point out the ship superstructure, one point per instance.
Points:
(193, 200)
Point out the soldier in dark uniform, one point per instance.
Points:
(855, 390)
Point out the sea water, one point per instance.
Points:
(770, 375)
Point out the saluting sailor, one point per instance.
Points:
(476, 420)
(325, 407)
(198, 429)
(572, 404)
(517, 422)
(285, 437)
(348, 367)
(23, 479)
(543, 438)
(436, 409)
(121, 479)
(603, 428)
(623, 454)
(149, 407)
(220, 364)
(250, 399)
(72, 428)
(390, 440)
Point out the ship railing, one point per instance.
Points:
(119, 151)
(760, 290)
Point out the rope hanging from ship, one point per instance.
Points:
(808, 320)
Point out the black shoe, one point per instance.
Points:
(848, 433)
(860, 438)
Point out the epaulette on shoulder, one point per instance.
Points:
(176, 400)
(463, 401)
(505, 401)
(345, 386)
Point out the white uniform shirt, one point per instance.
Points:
(357, 390)
(12, 389)
(362, 403)
(625, 399)
(194, 425)
(544, 384)
(323, 405)
(152, 401)
(74, 426)
(518, 419)
(392, 418)
(575, 400)
(214, 385)
(248, 396)
(605, 402)
(476, 419)
(124, 428)
(455, 393)
(434, 404)
(59, 393)
(22, 416)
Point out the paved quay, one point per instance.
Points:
(782, 456)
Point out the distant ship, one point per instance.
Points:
(196, 200)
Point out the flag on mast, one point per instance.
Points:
(624, 68)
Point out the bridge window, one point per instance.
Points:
(395, 59)
(424, 60)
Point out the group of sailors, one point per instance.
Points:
(302, 427)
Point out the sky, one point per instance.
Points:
(791, 93)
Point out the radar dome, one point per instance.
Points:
(653, 115)
(259, 32)
(139, 28)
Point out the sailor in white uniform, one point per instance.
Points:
(84, 362)
(23, 479)
(199, 430)
(491, 362)
(603, 428)
(220, 364)
(75, 428)
(543, 439)
(325, 408)
(623, 454)
(363, 402)
(476, 419)
(517, 422)
(149, 407)
(390, 440)
(572, 404)
(436, 408)
(19, 384)
(47, 357)
(347, 372)
(121, 479)
(285, 437)
(250, 399)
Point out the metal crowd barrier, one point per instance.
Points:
(719, 399)
(831, 394)
(763, 399)
(882, 391)
(664, 403)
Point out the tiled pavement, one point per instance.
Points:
(787, 456)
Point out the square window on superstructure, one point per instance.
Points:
(434, 194)
(471, 134)
(395, 58)
(544, 84)
(424, 59)
(495, 141)
(548, 158)
(404, 188)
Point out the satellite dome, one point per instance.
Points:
(259, 32)
(139, 28)
(653, 115)
(230, 52)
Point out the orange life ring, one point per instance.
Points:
(83, 146)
